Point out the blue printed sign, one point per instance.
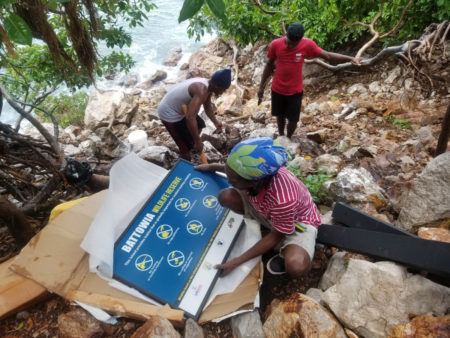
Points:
(169, 249)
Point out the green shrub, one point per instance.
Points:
(402, 123)
(313, 182)
(66, 109)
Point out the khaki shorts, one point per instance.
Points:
(304, 239)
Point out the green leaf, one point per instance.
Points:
(217, 7)
(18, 29)
(190, 7)
(52, 4)
(62, 1)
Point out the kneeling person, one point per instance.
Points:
(266, 191)
(179, 108)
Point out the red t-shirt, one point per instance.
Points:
(287, 79)
(286, 201)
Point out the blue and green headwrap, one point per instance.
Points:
(256, 158)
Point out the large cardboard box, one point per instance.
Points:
(55, 260)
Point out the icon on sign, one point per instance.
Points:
(194, 227)
(196, 183)
(175, 258)
(209, 201)
(164, 231)
(144, 262)
(182, 204)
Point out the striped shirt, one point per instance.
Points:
(285, 201)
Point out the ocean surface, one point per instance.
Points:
(152, 45)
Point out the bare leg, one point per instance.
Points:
(231, 199)
(281, 121)
(291, 128)
(297, 261)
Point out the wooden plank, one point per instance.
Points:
(127, 308)
(17, 292)
(357, 219)
(422, 254)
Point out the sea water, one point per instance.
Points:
(152, 45)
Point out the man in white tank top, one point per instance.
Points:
(179, 109)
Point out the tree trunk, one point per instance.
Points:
(445, 134)
(16, 222)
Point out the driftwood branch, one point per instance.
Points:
(368, 62)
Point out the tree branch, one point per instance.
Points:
(53, 142)
(258, 4)
(368, 62)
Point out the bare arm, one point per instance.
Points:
(199, 95)
(211, 113)
(263, 245)
(268, 71)
(339, 58)
(211, 167)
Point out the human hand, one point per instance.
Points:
(227, 267)
(357, 61)
(204, 167)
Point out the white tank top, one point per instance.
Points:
(170, 108)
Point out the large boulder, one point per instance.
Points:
(428, 199)
(106, 107)
(301, 316)
(373, 298)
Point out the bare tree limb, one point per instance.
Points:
(258, 4)
(368, 62)
(49, 138)
(371, 27)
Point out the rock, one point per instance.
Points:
(106, 107)
(78, 323)
(299, 162)
(288, 145)
(229, 103)
(146, 84)
(128, 81)
(70, 150)
(312, 108)
(315, 294)
(423, 326)
(203, 63)
(373, 298)
(174, 57)
(375, 87)
(158, 76)
(355, 186)
(428, 199)
(356, 88)
(300, 316)
(192, 329)
(156, 327)
(434, 234)
(336, 267)
(318, 136)
(247, 325)
(264, 132)
(160, 155)
(328, 163)
(393, 74)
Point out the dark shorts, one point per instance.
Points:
(287, 105)
(181, 134)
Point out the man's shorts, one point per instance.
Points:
(287, 105)
(305, 239)
(181, 134)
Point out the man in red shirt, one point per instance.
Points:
(287, 86)
(265, 190)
